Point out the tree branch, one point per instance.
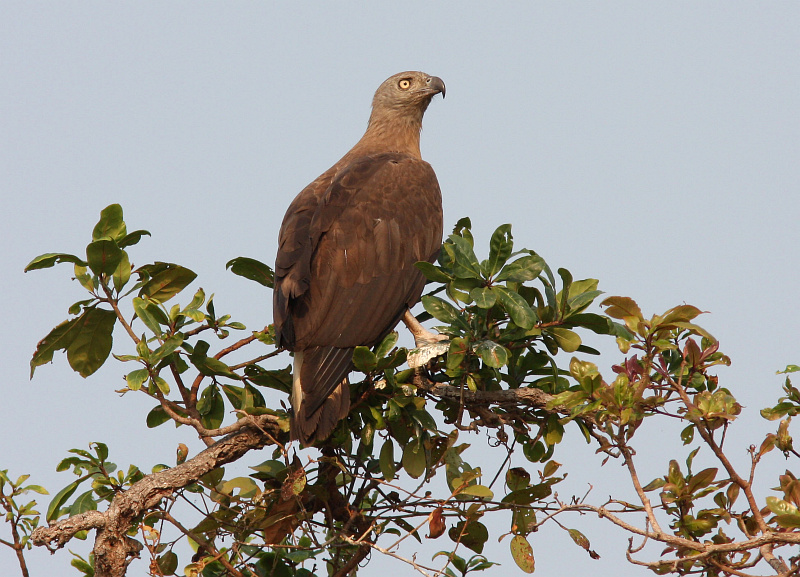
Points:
(526, 396)
(113, 549)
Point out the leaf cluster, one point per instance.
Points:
(513, 329)
(22, 517)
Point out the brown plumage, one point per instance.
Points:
(344, 273)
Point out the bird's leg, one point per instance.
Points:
(422, 336)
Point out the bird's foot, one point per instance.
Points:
(429, 345)
(422, 336)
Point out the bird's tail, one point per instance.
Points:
(320, 393)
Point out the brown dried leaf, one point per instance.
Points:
(436, 525)
(281, 522)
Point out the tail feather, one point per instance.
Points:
(321, 395)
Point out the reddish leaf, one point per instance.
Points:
(436, 525)
(622, 307)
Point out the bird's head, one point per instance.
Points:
(406, 93)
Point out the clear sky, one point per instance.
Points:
(655, 146)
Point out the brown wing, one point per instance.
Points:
(345, 269)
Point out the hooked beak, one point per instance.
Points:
(435, 85)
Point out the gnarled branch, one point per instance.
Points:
(113, 549)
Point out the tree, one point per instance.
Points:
(367, 491)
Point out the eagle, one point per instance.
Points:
(344, 271)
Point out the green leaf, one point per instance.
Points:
(247, 487)
(243, 398)
(484, 297)
(702, 479)
(386, 460)
(567, 340)
(387, 344)
(167, 348)
(84, 502)
(550, 468)
(780, 507)
(581, 300)
(534, 452)
(480, 491)
(168, 563)
(166, 280)
(473, 537)
(656, 483)
(500, 247)
(456, 352)
(132, 238)
(789, 521)
(441, 310)
(81, 565)
(57, 339)
(280, 379)
(136, 379)
(252, 269)
(158, 416)
(103, 256)
(516, 307)
(110, 225)
(83, 277)
(149, 313)
(400, 522)
(51, 258)
(210, 366)
(414, 461)
(91, 346)
(523, 269)
(522, 552)
(466, 264)
(566, 280)
(594, 322)
(364, 360)
(211, 407)
(493, 354)
(789, 369)
(35, 488)
(162, 385)
(271, 468)
(394, 359)
(122, 273)
(579, 538)
(687, 434)
(432, 272)
(61, 498)
(68, 462)
(463, 228)
(523, 520)
(76, 308)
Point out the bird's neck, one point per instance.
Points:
(391, 134)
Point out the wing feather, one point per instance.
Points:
(345, 270)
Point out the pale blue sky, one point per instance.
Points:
(655, 146)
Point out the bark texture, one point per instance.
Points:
(113, 549)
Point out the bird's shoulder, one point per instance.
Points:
(376, 174)
(355, 184)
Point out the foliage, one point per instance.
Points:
(513, 366)
(22, 518)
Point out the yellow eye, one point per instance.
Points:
(404, 84)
